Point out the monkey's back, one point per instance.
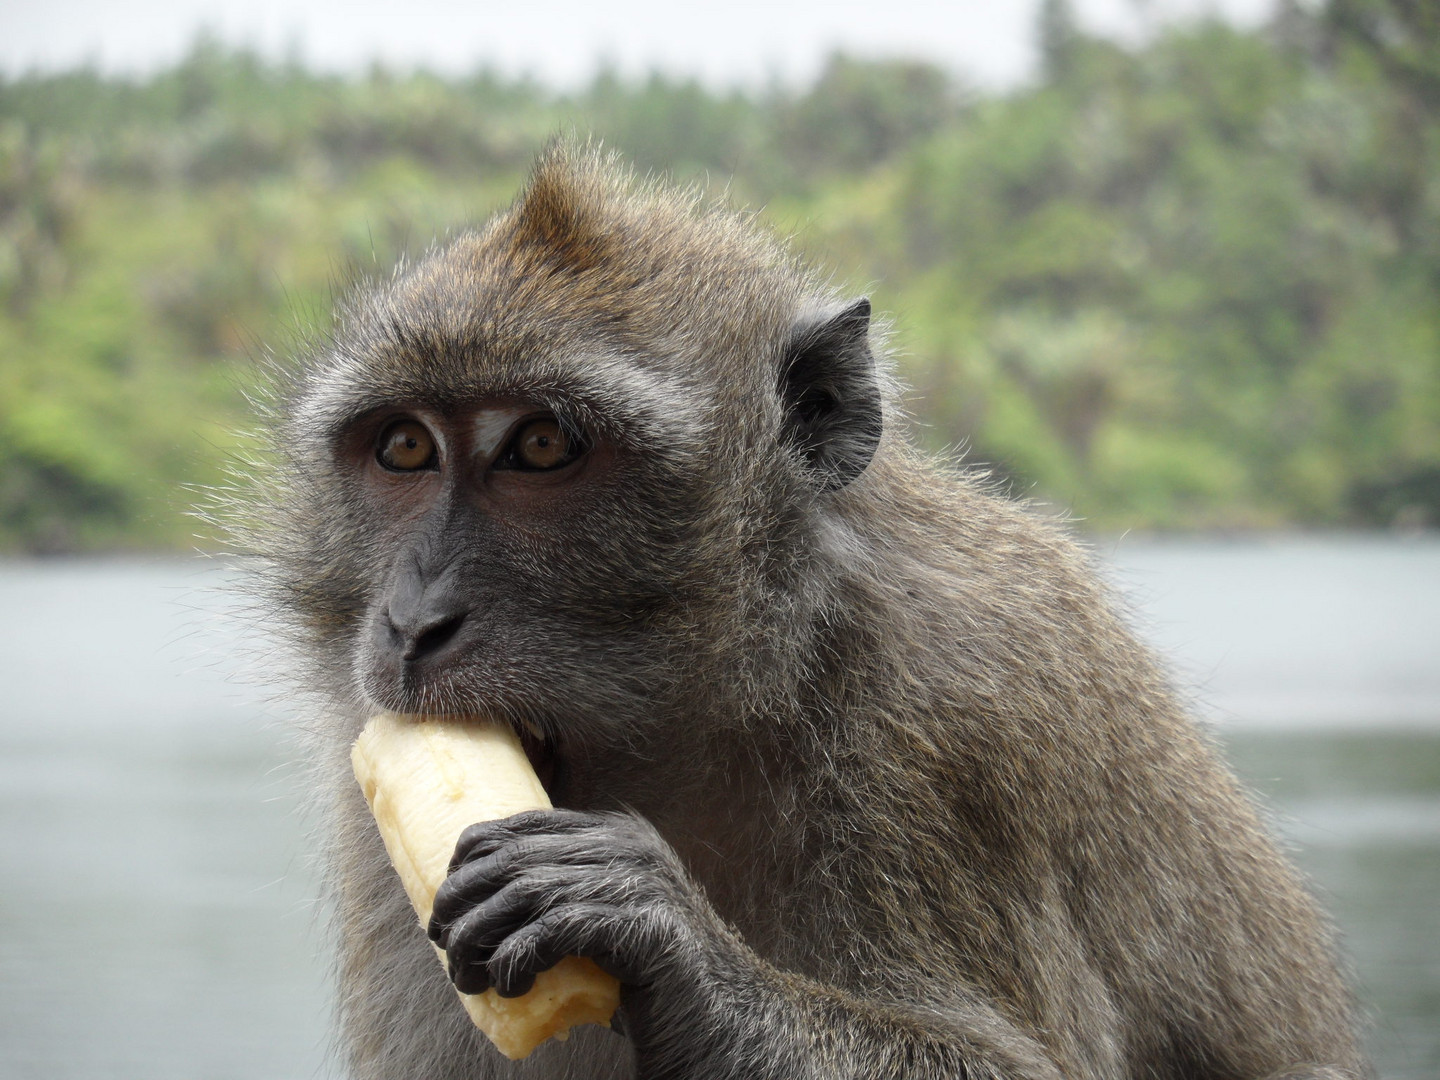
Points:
(1017, 798)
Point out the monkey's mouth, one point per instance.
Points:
(543, 757)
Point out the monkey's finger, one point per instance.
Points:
(485, 837)
(469, 977)
(596, 931)
(476, 932)
(538, 857)
(484, 926)
(473, 938)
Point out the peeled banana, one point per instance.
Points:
(428, 778)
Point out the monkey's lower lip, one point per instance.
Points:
(541, 752)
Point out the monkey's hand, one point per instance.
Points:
(529, 889)
(696, 1001)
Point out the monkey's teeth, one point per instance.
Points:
(539, 750)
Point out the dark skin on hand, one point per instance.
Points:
(857, 769)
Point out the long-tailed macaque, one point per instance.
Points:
(857, 771)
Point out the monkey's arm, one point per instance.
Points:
(696, 1001)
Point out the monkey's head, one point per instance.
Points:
(573, 465)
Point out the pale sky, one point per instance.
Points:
(562, 42)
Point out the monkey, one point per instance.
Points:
(858, 768)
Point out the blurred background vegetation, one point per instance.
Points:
(1188, 284)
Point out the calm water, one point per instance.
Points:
(156, 910)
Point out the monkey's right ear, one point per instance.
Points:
(831, 394)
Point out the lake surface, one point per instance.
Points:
(158, 916)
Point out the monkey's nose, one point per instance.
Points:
(416, 638)
(422, 615)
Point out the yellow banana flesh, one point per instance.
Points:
(428, 778)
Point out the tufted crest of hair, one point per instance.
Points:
(589, 255)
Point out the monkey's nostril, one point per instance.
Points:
(431, 639)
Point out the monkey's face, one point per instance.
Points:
(575, 547)
(570, 535)
(469, 503)
(502, 562)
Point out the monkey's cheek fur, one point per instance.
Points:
(427, 779)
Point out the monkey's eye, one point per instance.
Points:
(540, 445)
(406, 446)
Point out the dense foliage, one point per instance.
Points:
(1191, 284)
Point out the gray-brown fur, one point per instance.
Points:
(919, 803)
